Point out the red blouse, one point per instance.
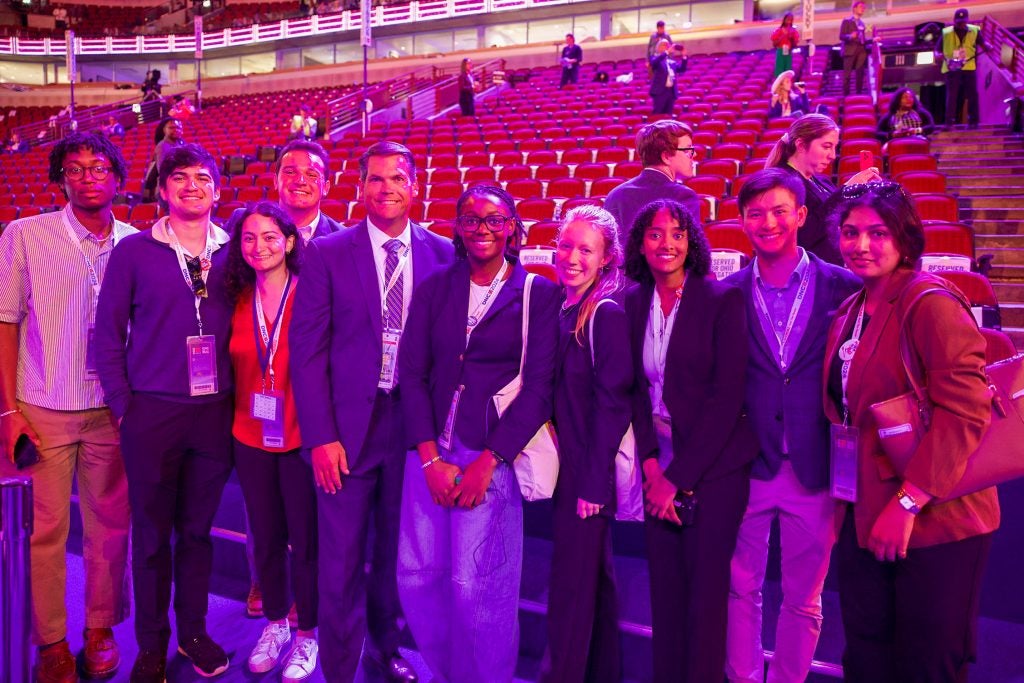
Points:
(246, 365)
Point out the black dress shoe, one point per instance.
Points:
(394, 669)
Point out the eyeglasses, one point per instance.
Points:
(312, 176)
(77, 172)
(880, 189)
(692, 151)
(195, 273)
(495, 222)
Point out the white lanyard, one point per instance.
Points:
(658, 324)
(272, 337)
(390, 284)
(846, 353)
(205, 259)
(798, 303)
(94, 278)
(474, 319)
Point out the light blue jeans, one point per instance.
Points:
(459, 573)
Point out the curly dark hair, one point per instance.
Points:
(505, 199)
(894, 104)
(95, 143)
(698, 251)
(240, 275)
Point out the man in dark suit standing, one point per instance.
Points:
(668, 62)
(853, 35)
(790, 296)
(572, 57)
(303, 180)
(350, 309)
(666, 150)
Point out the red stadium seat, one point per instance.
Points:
(446, 175)
(911, 162)
(612, 155)
(514, 172)
(524, 188)
(922, 182)
(541, 157)
(740, 152)
(536, 209)
(603, 186)
(139, 212)
(937, 207)
(551, 172)
(591, 171)
(566, 187)
(627, 169)
(947, 237)
(335, 209)
(998, 346)
(543, 269)
(479, 173)
(852, 147)
(729, 236)
(580, 201)
(714, 185)
(542, 234)
(728, 209)
(441, 210)
(443, 228)
(912, 145)
(727, 168)
(975, 286)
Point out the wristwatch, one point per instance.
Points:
(907, 501)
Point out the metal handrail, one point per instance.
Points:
(16, 523)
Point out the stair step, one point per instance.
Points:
(1009, 292)
(986, 178)
(970, 215)
(1016, 334)
(991, 228)
(1012, 314)
(988, 243)
(990, 191)
(1002, 256)
(972, 172)
(1007, 273)
(980, 158)
(999, 202)
(971, 146)
(960, 132)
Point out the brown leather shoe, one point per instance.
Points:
(56, 664)
(100, 656)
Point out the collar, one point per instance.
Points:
(159, 232)
(378, 237)
(81, 232)
(316, 222)
(795, 276)
(658, 173)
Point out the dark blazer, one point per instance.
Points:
(574, 52)
(851, 46)
(435, 359)
(949, 347)
(790, 399)
(593, 402)
(335, 333)
(817, 235)
(705, 380)
(660, 64)
(325, 226)
(625, 201)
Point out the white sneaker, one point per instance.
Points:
(301, 660)
(268, 649)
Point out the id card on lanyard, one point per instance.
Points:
(845, 438)
(94, 296)
(390, 337)
(794, 311)
(202, 348)
(265, 405)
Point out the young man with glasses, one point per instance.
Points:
(666, 150)
(169, 384)
(350, 309)
(790, 294)
(53, 266)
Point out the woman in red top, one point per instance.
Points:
(263, 266)
(785, 39)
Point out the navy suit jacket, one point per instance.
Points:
(660, 64)
(625, 201)
(705, 382)
(335, 332)
(325, 226)
(791, 399)
(435, 359)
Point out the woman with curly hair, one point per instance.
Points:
(277, 484)
(689, 342)
(907, 117)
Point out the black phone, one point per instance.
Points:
(25, 452)
(686, 508)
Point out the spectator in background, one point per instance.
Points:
(303, 125)
(785, 39)
(665, 148)
(181, 109)
(659, 35)
(907, 117)
(572, 57)
(959, 50)
(853, 35)
(151, 86)
(789, 100)
(15, 144)
(169, 136)
(467, 88)
(112, 127)
(666, 65)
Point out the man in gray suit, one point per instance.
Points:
(350, 309)
(666, 150)
(791, 295)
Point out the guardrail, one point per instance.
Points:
(299, 27)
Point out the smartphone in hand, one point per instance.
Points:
(25, 452)
(867, 159)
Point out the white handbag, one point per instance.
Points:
(628, 481)
(536, 466)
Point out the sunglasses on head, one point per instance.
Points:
(880, 189)
(195, 273)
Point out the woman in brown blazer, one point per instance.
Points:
(910, 570)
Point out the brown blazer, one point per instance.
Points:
(950, 349)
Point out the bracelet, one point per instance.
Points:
(500, 460)
(12, 411)
(430, 462)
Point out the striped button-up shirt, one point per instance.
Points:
(47, 291)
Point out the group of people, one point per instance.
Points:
(384, 376)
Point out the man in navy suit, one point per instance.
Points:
(667, 63)
(351, 304)
(790, 295)
(303, 180)
(666, 150)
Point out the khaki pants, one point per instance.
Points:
(86, 443)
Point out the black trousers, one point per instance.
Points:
(911, 621)
(962, 86)
(690, 570)
(280, 500)
(569, 75)
(177, 457)
(352, 605)
(467, 103)
(855, 62)
(663, 103)
(583, 611)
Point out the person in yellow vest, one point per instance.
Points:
(961, 44)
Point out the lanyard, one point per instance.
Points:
(205, 259)
(270, 338)
(474, 319)
(390, 284)
(846, 353)
(94, 278)
(798, 303)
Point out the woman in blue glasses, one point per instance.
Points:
(461, 542)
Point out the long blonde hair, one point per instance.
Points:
(609, 279)
(806, 129)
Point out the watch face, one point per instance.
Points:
(908, 504)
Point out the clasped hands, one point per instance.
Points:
(660, 493)
(450, 486)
